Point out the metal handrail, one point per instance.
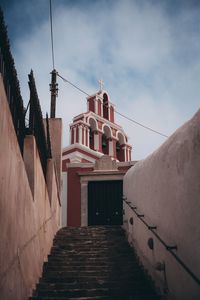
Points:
(167, 247)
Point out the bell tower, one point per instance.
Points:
(95, 133)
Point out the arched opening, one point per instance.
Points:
(91, 138)
(99, 107)
(91, 104)
(112, 119)
(105, 144)
(105, 106)
(119, 147)
(105, 139)
(92, 130)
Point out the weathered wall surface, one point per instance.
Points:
(165, 187)
(55, 129)
(29, 215)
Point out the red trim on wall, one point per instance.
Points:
(114, 149)
(100, 142)
(77, 134)
(83, 160)
(83, 136)
(100, 125)
(125, 168)
(114, 131)
(79, 119)
(91, 104)
(99, 107)
(86, 137)
(111, 114)
(74, 196)
(72, 135)
(64, 164)
(81, 151)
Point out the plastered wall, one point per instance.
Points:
(29, 211)
(165, 187)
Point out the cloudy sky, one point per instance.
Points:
(146, 51)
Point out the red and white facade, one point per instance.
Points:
(93, 135)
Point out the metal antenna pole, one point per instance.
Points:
(54, 93)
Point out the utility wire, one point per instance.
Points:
(122, 115)
(51, 25)
(72, 84)
(140, 124)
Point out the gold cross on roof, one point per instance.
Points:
(101, 84)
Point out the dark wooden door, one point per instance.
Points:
(105, 202)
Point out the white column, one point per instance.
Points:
(80, 134)
(108, 111)
(101, 109)
(70, 136)
(125, 158)
(128, 155)
(88, 137)
(111, 153)
(96, 141)
(84, 136)
(96, 106)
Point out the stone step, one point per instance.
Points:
(54, 277)
(69, 268)
(88, 260)
(93, 234)
(72, 235)
(82, 273)
(100, 236)
(109, 252)
(74, 292)
(93, 263)
(67, 298)
(115, 297)
(92, 285)
(67, 245)
(91, 292)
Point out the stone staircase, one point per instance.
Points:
(93, 263)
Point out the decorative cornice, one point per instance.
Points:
(82, 147)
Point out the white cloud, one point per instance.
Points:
(148, 60)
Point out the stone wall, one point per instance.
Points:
(29, 210)
(165, 187)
